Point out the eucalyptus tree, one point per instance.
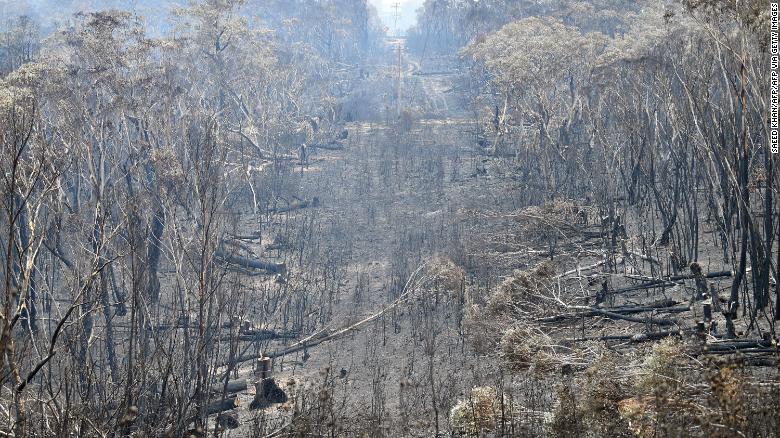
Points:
(537, 69)
(19, 42)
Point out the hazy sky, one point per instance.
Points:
(406, 10)
(43, 7)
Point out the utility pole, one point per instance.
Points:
(396, 16)
(399, 42)
(400, 79)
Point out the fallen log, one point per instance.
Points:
(716, 274)
(639, 337)
(260, 335)
(652, 285)
(664, 302)
(762, 342)
(613, 315)
(641, 309)
(739, 345)
(252, 236)
(583, 268)
(742, 350)
(668, 281)
(761, 361)
(325, 335)
(269, 332)
(315, 202)
(183, 324)
(246, 263)
(218, 406)
(238, 243)
(331, 146)
(666, 306)
(233, 386)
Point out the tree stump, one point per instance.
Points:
(267, 392)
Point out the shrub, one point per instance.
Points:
(518, 295)
(522, 348)
(661, 368)
(668, 403)
(551, 221)
(483, 333)
(480, 413)
(591, 410)
(565, 421)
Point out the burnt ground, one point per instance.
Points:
(390, 200)
(394, 197)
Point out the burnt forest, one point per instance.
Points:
(389, 218)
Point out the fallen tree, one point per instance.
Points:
(315, 202)
(635, 338)
(669, 281)
(247, 263)
(223, 405)
(255, 235)
(415, 281)
(260, 335)
(330, 146)
(665, 305)
(740, 345)
(233, 386)
(612, 315)
(238, 243)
